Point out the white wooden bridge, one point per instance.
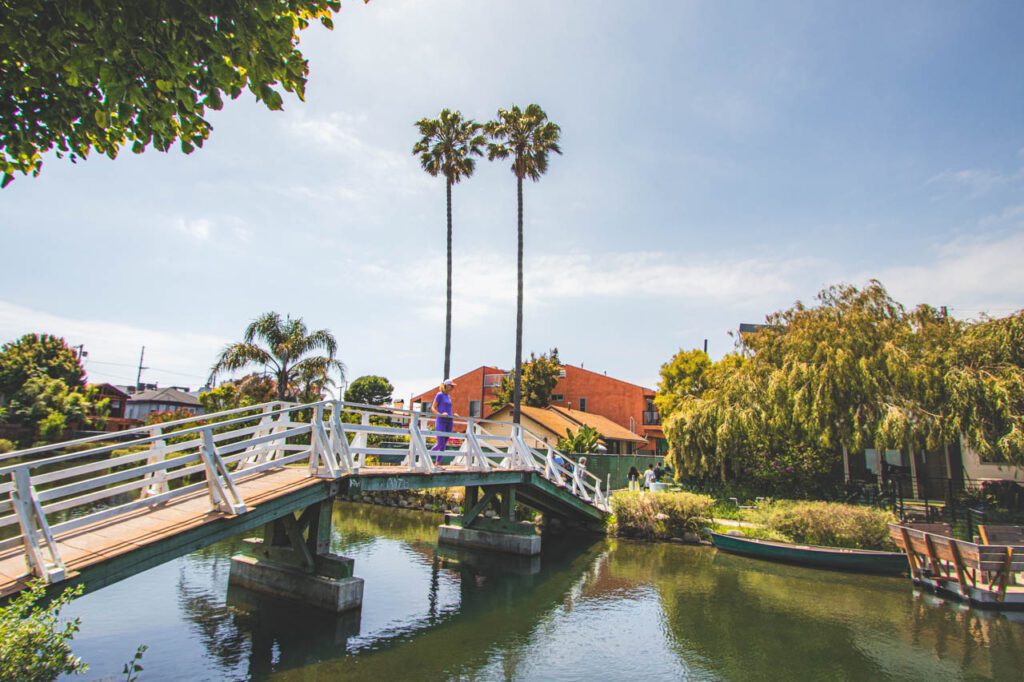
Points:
(94, 511)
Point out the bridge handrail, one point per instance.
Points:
(225, 447)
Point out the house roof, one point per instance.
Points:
(558, 420)
(112, 390)
(166, 395)
(605, 426)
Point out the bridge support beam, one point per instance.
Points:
(495, 531)
(293, 560)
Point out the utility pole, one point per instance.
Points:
(81, 351)
(138, 377)
(705, 346)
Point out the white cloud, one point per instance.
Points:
(969, 274)
(977, 181)
(179, 357)
(485, 282)
(198, 229)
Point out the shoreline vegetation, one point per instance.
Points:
(680, 516)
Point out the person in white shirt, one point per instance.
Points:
(649, 476)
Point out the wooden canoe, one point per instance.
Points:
(836, 558)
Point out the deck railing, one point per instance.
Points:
(61, 487)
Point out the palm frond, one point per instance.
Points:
(237, 356)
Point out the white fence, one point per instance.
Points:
(61, 487)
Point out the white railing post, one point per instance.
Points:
(521, 451)
(30, 514)
(265, 428)
(475, 458)
(223, 493)
(550, 472)
(339, 441)
(360, 442)
(158, 483)
(419, 456)
(322, 462)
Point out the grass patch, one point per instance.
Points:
(831, 524)
(659, 515)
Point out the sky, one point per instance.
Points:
(721, 161)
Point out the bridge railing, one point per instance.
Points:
(65, 486)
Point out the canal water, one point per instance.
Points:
(590, 610)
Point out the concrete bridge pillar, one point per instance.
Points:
(499, 531)
(293, 560)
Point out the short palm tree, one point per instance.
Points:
(528, 137)
(447, 148)
(286, 347)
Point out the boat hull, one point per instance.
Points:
(854, 560)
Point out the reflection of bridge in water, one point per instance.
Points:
(491, 607)
(93, 512)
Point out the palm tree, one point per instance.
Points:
(528, 137)
(286, 349)
(447, 148)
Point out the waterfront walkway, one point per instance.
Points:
(111, 510)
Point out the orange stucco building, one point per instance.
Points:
(628, 405)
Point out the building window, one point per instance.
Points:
(557, 398)
(583, 404)
(474, 408)
(424, 406)
(561, 374)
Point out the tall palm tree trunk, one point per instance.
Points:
(448, 318)
(517, 391)
(282, 383)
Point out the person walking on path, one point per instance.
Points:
(634, 479)
(658, 473)
(442, 407)
(649, 476)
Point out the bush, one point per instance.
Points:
(7, 446)
(831, 524)
(34, 644)
(659, 515)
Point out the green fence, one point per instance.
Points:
(618, 466)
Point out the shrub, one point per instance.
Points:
(34, 644)
(827, 523)
(659, 515)
(7, 446)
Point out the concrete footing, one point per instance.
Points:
(331, 594)
(510, 543)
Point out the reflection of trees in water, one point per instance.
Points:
(742, 615)
(210, 618)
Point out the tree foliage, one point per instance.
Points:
(583, 442)
(81, 76)
(35, 644)
(287, 348)
(35, 354)
(50, 407)
(370, 390)
(540, 375)
(856, 370)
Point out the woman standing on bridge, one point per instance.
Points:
(442, 406)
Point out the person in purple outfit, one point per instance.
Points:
(442, 407)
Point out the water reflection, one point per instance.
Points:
(585, 608)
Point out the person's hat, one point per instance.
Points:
(449, 382)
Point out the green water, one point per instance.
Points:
(602, 610)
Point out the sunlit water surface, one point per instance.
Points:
(593, 610)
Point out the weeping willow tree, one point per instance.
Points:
(854, 370)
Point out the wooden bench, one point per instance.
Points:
(1001, 535)
(942, 559)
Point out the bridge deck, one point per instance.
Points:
(170, 523)
(98, 542)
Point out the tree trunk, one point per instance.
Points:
(448, 317)
(282, 383)
(517, 390)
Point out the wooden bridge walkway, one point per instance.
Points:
(109, 511)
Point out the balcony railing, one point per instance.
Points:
(651, 418)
